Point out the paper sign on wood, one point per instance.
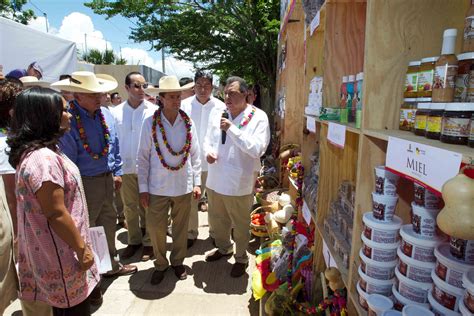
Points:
(306, 213)
(337, 134)
(311, 124)
(314, 23)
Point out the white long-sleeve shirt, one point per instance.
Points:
(129, 124)
(201, 115)
(238, 160)
(153, 177)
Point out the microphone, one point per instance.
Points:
(223, 133)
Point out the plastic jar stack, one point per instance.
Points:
(380, 237)
(466, 306)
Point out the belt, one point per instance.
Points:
(100, 175)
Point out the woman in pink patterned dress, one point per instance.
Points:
(55, 261)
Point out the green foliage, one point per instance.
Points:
(11, 9)
(108, 57)
(230, 37)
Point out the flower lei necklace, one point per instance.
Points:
(4, 131)
(247, 119)
(186, 148)
(83, 136)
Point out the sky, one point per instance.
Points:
(71, 20)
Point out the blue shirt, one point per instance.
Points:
(72, 145)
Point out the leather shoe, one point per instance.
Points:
(191, 242)
(238, 269)
(147, 253)
(180, 272)
(216, 256)
(157, 277)
(95, 298)
(125, 269)
(129, 251)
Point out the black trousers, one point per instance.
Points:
(82, 309)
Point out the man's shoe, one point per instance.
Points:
(191, 242)
(157, 277)
(125, 269)
(95, 298)
(147, 253)
(216, 256)
(180, 272)
(202, 206)
(238, 269)
(129, 251)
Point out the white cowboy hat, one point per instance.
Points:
(168, 84)
(30, 81)
(87, 82)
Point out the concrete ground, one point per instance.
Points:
(208, 290)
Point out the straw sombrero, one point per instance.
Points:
(168, 84)
(30, 81)
(86, 82)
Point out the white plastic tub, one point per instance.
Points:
(425, 198)
(373, 286)
(464, 310)
(362, 297)
(414, 291)
(381, 232)
(462, 249)
(423, 220)
(413, 269)
(415, 247)
(439, 309)
(445, 294)
(377, 270)
(385, 181)
(416, 310)
(448, 268)
(378, 304)
(383, 206)
(401, 301)
(377, 251)
(468, 283)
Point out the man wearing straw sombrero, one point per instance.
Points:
(92, 144)
(169, 175)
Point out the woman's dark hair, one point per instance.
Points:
(36, 122)
(9, 88)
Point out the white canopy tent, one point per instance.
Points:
(21, 45)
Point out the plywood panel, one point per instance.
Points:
(344, 46)
(399, 31)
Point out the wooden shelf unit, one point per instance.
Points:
(378, 37)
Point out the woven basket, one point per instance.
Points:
(267, 182)
(262, 199)
(259, 230)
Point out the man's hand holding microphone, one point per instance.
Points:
(225, 125)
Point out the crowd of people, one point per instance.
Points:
(73, 157)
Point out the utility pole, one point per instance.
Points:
(85, 45)
(163, 59)
(46, 20)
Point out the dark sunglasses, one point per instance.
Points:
(138, 85)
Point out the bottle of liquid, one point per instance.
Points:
(446, 69)
(468, 42)
(343, 103)
(350, 97)
(360, 80)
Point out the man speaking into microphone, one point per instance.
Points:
(234, 162)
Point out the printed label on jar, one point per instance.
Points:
(471, 135)
(461, 91)
(420, 122)
(420, 274)
(407, 118)
(470, 89)
(418, 253)
(411, 82)
(363, 302)
(379, 289)
(367, 232)
(433, 124)
(363, 284)
(444, 76)
(469, 301)
(379, 273)
(458, 127)
(468, 28)
(385, 237)
(425, 80)
(445, 299)
(441, 270)
(413, 293)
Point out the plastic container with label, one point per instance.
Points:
(471, 133)
(445, 294)
(455, 127)
(407, 114)
(448, 268)
(381, 232)
(426, 76)
(413, 269)
(376, 269)
(401, 301)
(385, 181)
(413, 290)
(379, 252)
(439, 309)
(446, 69)
(362, 297)
(434, 120)
(416, 310)
(392, 312)
(425, 198)
(462, 250)
(468, 284)
(462, 85)
(411, 79)
(378, 304)
(383, 206)
(421, 117)
(464, 310)
(423, 220)
(373, 286)
(416, 247)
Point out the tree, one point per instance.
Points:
(108, 57)
(230, 37)
(11, 9)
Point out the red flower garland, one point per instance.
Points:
(186, 148)
(248, 118)
(83, 136)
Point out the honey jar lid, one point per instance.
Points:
(423, 106)
(466, 56)
(414, 63)
(410, 99)
(463, 107)
(437, 106)
(423, 99)
(429, 59)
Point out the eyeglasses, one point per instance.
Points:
(139, 85)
